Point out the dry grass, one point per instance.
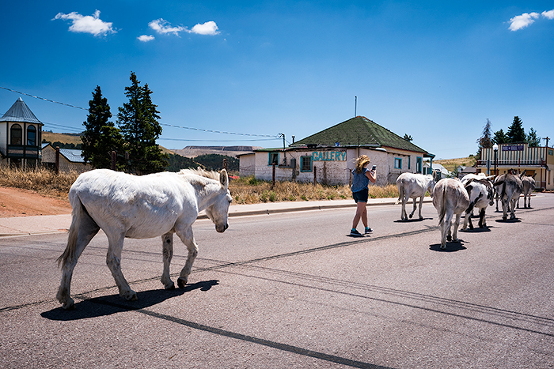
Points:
(251, 191)
(43, 181)
(244, 190)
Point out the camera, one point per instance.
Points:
(374, 167)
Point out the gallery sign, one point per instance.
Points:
(329, 156)
(512, 147)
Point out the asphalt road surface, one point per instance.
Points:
(294, 290)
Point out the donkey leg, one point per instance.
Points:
(86, 230)
(403, 215)
(113, 260)
(456, 225)
(420, 205)
(167, 240)
(188, 239)
(414, 207)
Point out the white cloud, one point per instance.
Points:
(522, 21)
(549, 14)
(145, 38)
(87, 24)
(208, 28)
(163, 27)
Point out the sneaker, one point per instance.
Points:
(355, 233)
(368, 230)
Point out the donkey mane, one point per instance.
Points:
(200, 172)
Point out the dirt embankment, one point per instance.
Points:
(15, 202)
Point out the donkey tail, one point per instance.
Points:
(400, 186)
(69, 252)
(442, 212)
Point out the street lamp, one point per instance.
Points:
(495, 148)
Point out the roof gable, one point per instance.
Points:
(358, 131)
(20, 112)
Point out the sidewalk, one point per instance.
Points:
(45, 224)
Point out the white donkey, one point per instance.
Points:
(124, 205)
(450, 198)
(510, 188)
(412, 185)
(528, 188)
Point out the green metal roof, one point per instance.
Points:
(358, 131)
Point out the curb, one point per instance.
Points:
(255, 209)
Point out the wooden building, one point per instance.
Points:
(534, 161)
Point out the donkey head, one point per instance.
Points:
(218, 211)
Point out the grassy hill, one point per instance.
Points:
(75, 139)
(62, 137)
(452, 164)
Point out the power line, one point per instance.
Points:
(42, 98)
(221, 132)
(163, 124)
(207, 140)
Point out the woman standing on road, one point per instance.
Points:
(360, 192)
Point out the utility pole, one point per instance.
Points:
(355, 106)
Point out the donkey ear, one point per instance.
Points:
(223, 178)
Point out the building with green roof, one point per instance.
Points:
(328, 156)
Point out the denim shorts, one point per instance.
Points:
(361, 196)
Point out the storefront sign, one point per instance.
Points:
(329, 156)
(512, 147)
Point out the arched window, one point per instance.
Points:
(16, 134)
(31, 136)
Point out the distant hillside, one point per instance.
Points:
(194, 151)
(62, 137)
(75, 139)
(452, 164)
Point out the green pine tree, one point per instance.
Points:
(138, 122)
(516, 133)
(532, 139)
(499, 137)
(100, 137)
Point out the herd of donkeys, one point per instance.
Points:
(452, 197)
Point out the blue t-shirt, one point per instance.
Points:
(360, 180)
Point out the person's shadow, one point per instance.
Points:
(112, 304)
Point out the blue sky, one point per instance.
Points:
(435, 70)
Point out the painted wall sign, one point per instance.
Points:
(512, 147)
(329, 156)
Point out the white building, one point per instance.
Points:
(20, 136)
(329, 156)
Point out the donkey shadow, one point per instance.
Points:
(112, 304)
(411, 220)
(515, 220)
(451, 246)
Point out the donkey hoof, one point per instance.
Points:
(181, 282)
(130, 296)
(170, 286)
(68, 305)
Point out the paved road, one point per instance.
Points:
(293, 290)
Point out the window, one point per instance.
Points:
(16, 135)
(397, 163)
(273, 158)
(31, 136)
(409, 162)
(419, 164)
(306, 164)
